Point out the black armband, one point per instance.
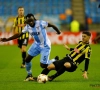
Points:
(86, 64)
(71, 49)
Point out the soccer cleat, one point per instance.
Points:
(50, 78)
(57, 58)
(35, 78)
(29, 78)
(23, 66)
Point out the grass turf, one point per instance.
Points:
(12, 76)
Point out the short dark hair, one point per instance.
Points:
(87, 33)
(20, 7)
(29, 15)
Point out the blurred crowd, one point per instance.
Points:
(57, 12)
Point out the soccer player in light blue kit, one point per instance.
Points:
(41, 45)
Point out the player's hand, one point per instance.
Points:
(76, 50)
(3, 39)
(85, 75)
(59, 32)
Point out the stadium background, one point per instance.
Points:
(60, 13)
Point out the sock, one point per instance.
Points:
(51, 61)
(28, 68)
(59, 72)
(23, 56)
(45, 71)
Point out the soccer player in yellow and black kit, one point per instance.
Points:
(81, 52)
(19, 23)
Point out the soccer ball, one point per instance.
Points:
(42, 78)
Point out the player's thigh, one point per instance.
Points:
(33, 50)
(23, 48)
(45, 53)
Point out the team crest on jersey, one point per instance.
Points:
(37, 28)
(35, 33)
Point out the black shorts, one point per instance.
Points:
(22, 42)
(60, 63)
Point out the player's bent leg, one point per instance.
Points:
(48, 69)
(51, 67)
(58, 73)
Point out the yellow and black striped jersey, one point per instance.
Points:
(19, 24)
(84, 52)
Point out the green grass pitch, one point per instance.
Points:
(12, 76)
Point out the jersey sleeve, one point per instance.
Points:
(88, 53)
(25, 29)
(44, 23)
(14, 24)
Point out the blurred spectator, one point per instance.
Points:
(62, 17)
(1, 25)
(9, 24)
(65, 18)
(63, 22)
(68, 13)
(89, 20)
(74, 26)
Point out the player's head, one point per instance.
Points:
(20, 11)
(30, 19)
(86, 36)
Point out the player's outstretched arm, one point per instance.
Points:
(55, 28)
(11, 38)
(68, 48)
(85, 69)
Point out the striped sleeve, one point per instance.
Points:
(88, 53)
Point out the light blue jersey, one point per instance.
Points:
(42, 44)
(38, 32)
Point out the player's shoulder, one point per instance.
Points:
(27, 27)
(16, 18)
(80, 42)
(88, 45)
(39, 22)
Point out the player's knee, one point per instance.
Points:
(67, 65)
(43, 65)
(28, 59)
(51, 67)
